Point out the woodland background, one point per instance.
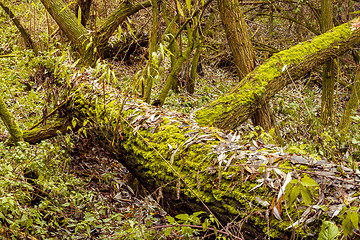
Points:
(147, 120)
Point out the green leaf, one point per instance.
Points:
(205, 225)
(66, 6)
(347, 226)
(29, 222)
(309, 182)
(329, 231)
(79, 16)
(306, 195)
(167, 232)
(171, 220)
(188, 5)
(179, 9)
(184, 217)
(195, 214)
(295, 191)
(354, 217)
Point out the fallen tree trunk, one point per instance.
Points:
(229, 111)
(189, 168)
(192, 168)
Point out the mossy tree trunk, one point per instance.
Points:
(10, 123)
(328, 74)
(229, 111)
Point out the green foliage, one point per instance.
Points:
(306, 187)
(185, 225)
(329, 231)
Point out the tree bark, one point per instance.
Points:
(76, 32)
(231, 110)
(242, 51)
(237, 36)
(88, 45)
(328, 75)
(11, 125)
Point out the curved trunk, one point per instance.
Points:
(124, 10)
(11, 125)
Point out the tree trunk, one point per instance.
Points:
(11, 125)
(328, 75)
(243, 52)
(77, 33)
(153, 63)
(231, 110)
(172, 79)
(85, 44)
(190, 168)
(237, 36)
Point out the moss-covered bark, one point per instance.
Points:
(229, 111)
(10, 123)
(61, 126)
(192, 168)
